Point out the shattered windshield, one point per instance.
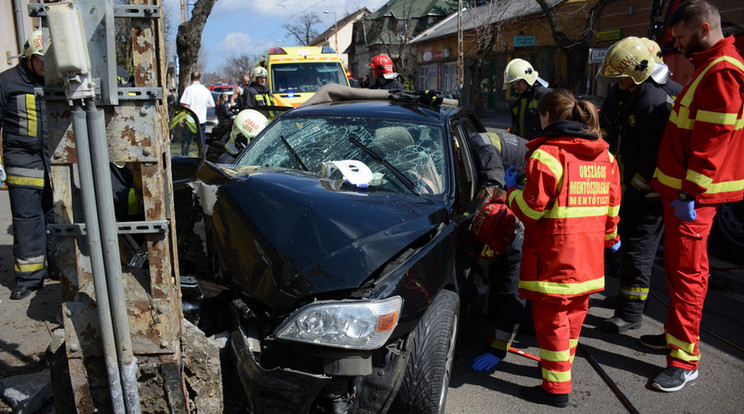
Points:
(390, 148)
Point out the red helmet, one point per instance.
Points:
(382, 64)
(495, 226)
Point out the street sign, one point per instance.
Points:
(522, 41)
(597, 55)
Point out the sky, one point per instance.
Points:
(238, 27)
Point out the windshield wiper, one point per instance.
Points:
(297, 157)
(405, 180)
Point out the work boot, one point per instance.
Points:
(617, 324)
(673, 379)
(20, 292)
(657, 342)
(538, 395)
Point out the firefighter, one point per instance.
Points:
(382, 74)
(699, 167)
(636, 133)
(494, 152)
(259, 93)
(661, 72)
(27, 162)
(569, 208)
(525, 81)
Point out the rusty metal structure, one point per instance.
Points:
(135, 120)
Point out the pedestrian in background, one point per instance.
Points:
(26, 156)
(699, 167)
(636, 132)
(223, 110)
(569, 207)
(197, 98)
(239, 98)
(530, 88)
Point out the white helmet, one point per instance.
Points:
(259, 72)
(34, 45)
(661, 72)
(630, 57)
(248, 123)
(518, 69)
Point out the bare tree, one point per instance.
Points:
(237, 66)
(395, 35)
(576, 48)
(188, 41)
(304, 30)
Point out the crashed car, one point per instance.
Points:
(330, 251)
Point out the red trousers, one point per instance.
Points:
(557, 328)
(686, 268)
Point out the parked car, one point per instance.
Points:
(331, 250)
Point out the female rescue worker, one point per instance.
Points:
(569, 208)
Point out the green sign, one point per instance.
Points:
(615, 34)
(522, 41)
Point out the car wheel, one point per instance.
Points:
(426, 380)
(727, 236)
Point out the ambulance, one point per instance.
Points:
(296, 73)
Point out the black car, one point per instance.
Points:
(331, 250)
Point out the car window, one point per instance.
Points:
(464, 171)
(414, 150)
(305, 76)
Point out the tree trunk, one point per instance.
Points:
(188, 41)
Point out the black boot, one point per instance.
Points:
(538, 395)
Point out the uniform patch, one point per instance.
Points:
(589, 184)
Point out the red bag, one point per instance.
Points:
(495, 226)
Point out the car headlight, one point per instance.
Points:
(353, 325)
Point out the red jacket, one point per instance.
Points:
(569, 208)
(702, 149)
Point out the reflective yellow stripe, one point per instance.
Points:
(634, 292)
(613, 211)
(519, 196)
(573, 342)
(556, 288)
(689, 95)
(667, 180)
(32, 116)
(29, 267)
(495, 140)
(561, 212)
(610, 236)
(555, 356)
(718, 118)
(27, 181)
(685, 346)
(556, 376)
(500, 345)
(551, 162)
(522, 110)
(684, 356)
(699, 179)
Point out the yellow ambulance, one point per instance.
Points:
(296, 73)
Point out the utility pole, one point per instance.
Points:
(335, 29)
(460, 51)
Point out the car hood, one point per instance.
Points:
(290, 235)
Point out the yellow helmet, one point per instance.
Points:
(654, 49)
(248, 123)
(34, 45)
(630, 57)
(259, 72)
(518, 69)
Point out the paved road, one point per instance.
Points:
(26, 325)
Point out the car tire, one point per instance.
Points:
(432, 347)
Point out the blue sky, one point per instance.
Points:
(238, 27)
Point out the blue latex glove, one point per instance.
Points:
(684, 210)
(485, 361)
(615, 247)
(510, 176)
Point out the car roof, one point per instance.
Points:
(407, 111)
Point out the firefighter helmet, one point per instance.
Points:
(495, 226)
(34, 45)
(248, 123)
(518, 69)
(382, 65)
(259, 72)
(630, 57)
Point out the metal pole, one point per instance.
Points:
(460, 51)
(85, 170)
(335, 32)
(19, 27)
(102, 177)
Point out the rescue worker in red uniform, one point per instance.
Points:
(382, 74)
(26, 156)
(699, 167)
(569, 208)
(494, 153)
(524, 80)
(636, 131)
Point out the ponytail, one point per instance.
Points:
(561, 104)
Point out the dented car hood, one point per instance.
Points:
(287, 235)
